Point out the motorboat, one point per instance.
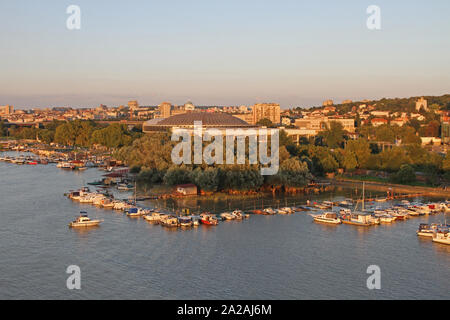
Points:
(208, 219)
(269, 211)
(227, 216)
(153, 217)
(387, 218)
(427, 230)
(170, 222)
(238, 214)
(134, 212)
(84, 221)
(327, 217)
(185, 222)
(359, 219)
(442, 236)
(124, 187)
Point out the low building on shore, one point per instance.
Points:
(187, 189)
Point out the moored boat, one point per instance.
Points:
(442, 236)
(84, 221)
(208, 219)
(327, 217)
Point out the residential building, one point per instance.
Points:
(376, 122)
(318, 124)
(6, 110)
(165, 110)
(269, 111)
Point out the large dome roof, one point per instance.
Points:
(186, 120)
(208, 119)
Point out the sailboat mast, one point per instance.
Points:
(364, 200)
(135, 192)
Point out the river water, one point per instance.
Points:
(266, 257)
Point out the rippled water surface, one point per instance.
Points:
(275, 257)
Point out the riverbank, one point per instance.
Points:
(396, 188)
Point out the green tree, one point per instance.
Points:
(265, 123)
(359, 150)
(405, 175)
(334, 134)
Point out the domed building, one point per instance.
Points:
(189, 106)
(218, 120)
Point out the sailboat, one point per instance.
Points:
(360, 218)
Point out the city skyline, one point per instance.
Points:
(295, 54)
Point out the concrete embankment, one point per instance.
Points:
(396, 188)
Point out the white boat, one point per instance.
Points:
(185, 222)
(327, 217)
(346, 203)
(387, 218)
(124, 187)
(84, 221)
(445, 207)
(427, 230)
(119, 205)
(64, 165)
(227, 216)
(269, 211)
(154, 217)
(238, 214)
(442, 237)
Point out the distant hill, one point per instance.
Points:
(396, 104)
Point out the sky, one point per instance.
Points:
(296, 53)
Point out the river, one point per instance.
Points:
(265, 257)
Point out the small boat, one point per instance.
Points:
(238, 214)
(427, 230)
(269, 211)
(171, 222)
(65, 165)
(185, 222)
(327, 217)
(119, 205)
(107, 204)
(442, 236)
(257, 211)
(195, 221)
(387, 218)
(134, 212)
(95, 183)
(363, 220)
(154, 217)
(208, 219)
(124, 187)
(227, 216)
(281, 211)
(84, 221)
(346, 203)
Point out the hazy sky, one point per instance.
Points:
(297, 53)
